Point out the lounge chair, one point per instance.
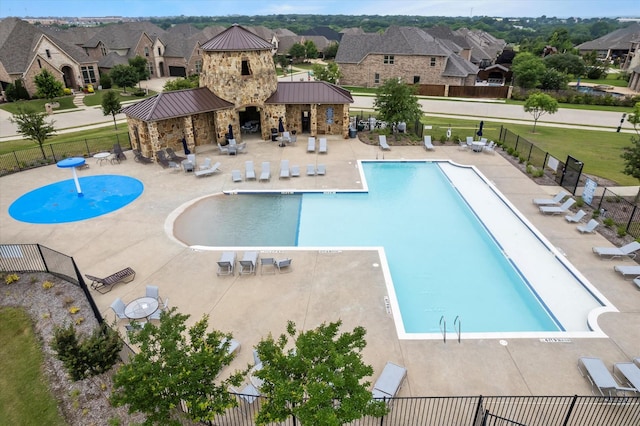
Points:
(558, 210)
(628, 374)
(104, 285)
(557, 199)
(227, 263)
(173, 156)
(118, 307)
(268, 262)
(636, 281)
(248, 263)
(427, 143)
(576, 217)
(236, 176)
(322, 148)
(249, 393)
(321, 170)
(164, 161)
(265, 172)
(241, 147)
(295, 171)
(599, 377)
(163, 307)
(206, 164)
(390, 381)
(117, 152)
(139, 158)
(283, 265)
(311, 170)
(382, 139)
(589, 228)
(311, 144)
(284, 169)
(223, 149)
(628, 271)
(627, 250)
(188, 166)
(208, 172)
(249, 171)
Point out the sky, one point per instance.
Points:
(493, 8)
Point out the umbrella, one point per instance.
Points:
(479, 132)
(280, 125)
(231, 132)
(185, 147)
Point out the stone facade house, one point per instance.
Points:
(238, 84)
(406, 53)
(613, 46)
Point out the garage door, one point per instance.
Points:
(177, 72)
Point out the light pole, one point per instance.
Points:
(291, 68)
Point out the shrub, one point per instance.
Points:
(11, 278)
(47, 285)
(580, 202)
(621, 231)
(595, 214)
(608, 222)
(105, 81)
(538, 173)
(67, 91)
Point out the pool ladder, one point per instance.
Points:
(457, 325)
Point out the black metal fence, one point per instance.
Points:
(524, 148)
(30, 158)
(624, 215)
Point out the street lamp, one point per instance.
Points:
(291, 68)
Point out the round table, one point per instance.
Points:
(141, 308)
(72, 163)
(101, 156)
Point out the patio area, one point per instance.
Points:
(324, 285)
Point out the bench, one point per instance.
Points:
(104, 285)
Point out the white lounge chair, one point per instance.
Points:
(295, 171)
(589, 227)
(206, 164)
(311, 144)
(382, 139)
(427, 143)
(265, 172)
(628, 271)
(636, 281)
(599, 377)
(236, 176)
(557, 199)
(576, 217)
(283, 265)
(208, 172)
(628, 374)
(627, 250)
(234, 345)
(322, 148)
(248, 262)
(390, 381)
(227, 263)
(311, 170)
(223, 149)
(321, 170)
(284, 169)
(558, 209)
(249, 171)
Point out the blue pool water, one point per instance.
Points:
(59, 202)
(442, 260)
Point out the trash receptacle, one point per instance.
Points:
(352, 132)
(274, 134)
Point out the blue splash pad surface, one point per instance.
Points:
(60, 203)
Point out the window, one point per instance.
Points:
(48, 53)
(389, 59)
(150, 68)
(245, 67)
(39, 63)
(159, 51)
(88, 75)
(103, 50)
(198, 66)
(146, 51)
(416, 79)
(376, 78)
(433, 62)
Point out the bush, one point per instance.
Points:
(580, 202)
(105, 81)
(608, 222)
(621, 231)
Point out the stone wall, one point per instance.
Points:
(34, 70)
(339, 124)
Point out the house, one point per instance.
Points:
(407, 53)
(633, 59)
(613, 46)
(326, 32)
(25, 50)
(287, 41)
(238, 84)
(484, 48)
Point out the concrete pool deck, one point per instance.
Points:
(325, 286)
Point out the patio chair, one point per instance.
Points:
(164, 161)
(490, 148)
(321, 170)
(173, 156)
(269, 263)
(248, 263)
(311, 144)
(576, 217)
(628, 374)
(153, 291)
(117, 151)
(249, 171)
(382, 139)
(311, 170)
(462, 146)
(206, 164)
(223, 149)
(265, 172)
(118, 307)
(249, 393)
(626, 251)
(389, 382)
(470, 142)
(139, 158)
(427, 143)
(163, 307)
(557, 199)
(284, 169)
(234, 345)
(558, 210)
(628, 272)
(241, 147)
(236, 176)
(599, 376)
(589, 228)
(208, 172)
(104, 285)
(283, 265)
(322, 148)
(188, 166)
(227, 263)
(286, 137)
(295, 171)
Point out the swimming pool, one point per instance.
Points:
(444, 258)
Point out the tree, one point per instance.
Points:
(320, 381)
(310, 50)
(297, 51)
(329, 73)
(553, 80)
(538, 104)
(395, 102)
(33, 126)
(48, 86)
(527, 69)
(631, 154)
(111, 105)
(566, 63)
(330, 51)
(124, 76)
(171, 367)
(191, 82)
(141, 66)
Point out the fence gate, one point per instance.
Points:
(571, 173)
(493, 420)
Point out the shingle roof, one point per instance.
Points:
(616, 40)
(125, 35)
(326, 32)
(309, 92)
(459, 67)
(236, 38)
(180, 103)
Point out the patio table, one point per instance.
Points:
(141, 307)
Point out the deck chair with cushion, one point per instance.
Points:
(628, 271)
(382, 139)
(104, 285)
(390, 381)
(295, 171)
(556, 200)
(236, 176)
(628, 374)
(427, 143)
(173, 156)
(576, 217)
(227, 263)
(322, 147)
(208, 172)
(283, 265)
(118, 307)
(321, 170)
(284, 169)
(311, 144)
(626, 251)
(139, 158)
(248, 262)
(589, 228)
(311, 170)
(164, 160)
(265, 172)
(206, 164)
(558, 209)
(269, 263)
(599, 376)
(249, 171)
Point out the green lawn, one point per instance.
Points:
(612, 79)
(66, 102)
(24, 396)
(106, 134)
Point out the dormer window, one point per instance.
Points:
(48, 52)
(245, 67)
(159, 52)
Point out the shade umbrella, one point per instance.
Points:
(185, 147)
(479, 132)
(280, 125)
(231, 132)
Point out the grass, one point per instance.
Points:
(24, 396)
(107, 134)
(612, 79)
(95, 99)
(66, 102)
